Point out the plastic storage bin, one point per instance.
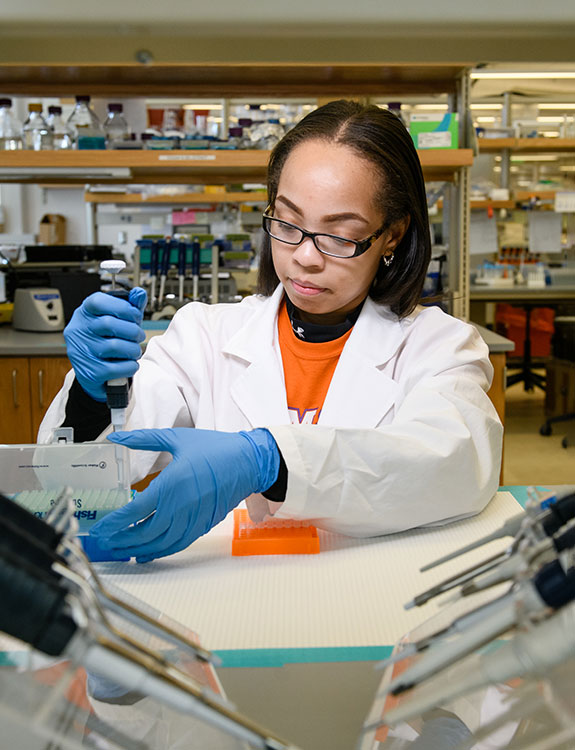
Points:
(510, 321)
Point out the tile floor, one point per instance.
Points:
(530, 458)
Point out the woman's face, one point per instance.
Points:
(326, 187)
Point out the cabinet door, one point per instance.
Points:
(46, 378)
(15, 422)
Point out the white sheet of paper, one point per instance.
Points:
(350, 594)
(544, 232)
(482, 234)
(565, 201)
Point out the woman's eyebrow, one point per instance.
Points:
(289, 204)
(330, 218)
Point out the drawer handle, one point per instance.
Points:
(15, 388)
(41, 388)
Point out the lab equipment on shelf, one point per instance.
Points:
(187, 267)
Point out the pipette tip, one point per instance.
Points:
(404, 653)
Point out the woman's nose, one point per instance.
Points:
(307, 254)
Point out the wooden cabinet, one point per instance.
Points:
(27, 387)
(46, 377)
(560, 390)
(15, 424)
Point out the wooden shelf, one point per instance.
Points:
(526, 145)
(479, 204)
(175, 167)
(229, 79)
(124, 167)
(257, 196)
(526, 195)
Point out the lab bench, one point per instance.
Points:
(33, 366)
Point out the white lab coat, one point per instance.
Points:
(407, 435)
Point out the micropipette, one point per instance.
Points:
(153, 274)
(510, 528)
(164, 266)
(532, 652)
(117, 388)
(551, 587)
(196, 251)
(547, 519)
(182, 248)
(39, 610)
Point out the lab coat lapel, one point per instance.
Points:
(259, 391)
(361, 393)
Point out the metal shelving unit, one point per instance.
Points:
(449, 166)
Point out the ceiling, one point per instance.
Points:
(338, 31)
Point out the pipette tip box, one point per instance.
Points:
(96, 473)
(272, 537)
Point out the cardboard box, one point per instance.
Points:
(52, 230)
(433, 130)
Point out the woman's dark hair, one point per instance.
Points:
(380, 137)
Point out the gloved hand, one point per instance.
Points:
(211, 472)
(103, 339)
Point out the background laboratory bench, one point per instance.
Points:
(33, 366)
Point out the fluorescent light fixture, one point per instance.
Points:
(567, 168)
(203, 105)
(430, 107)
(522, 75)
(549, 118)
(549, 134)
(488, 107)
(534, 157)
(485, 118)
(559, 105)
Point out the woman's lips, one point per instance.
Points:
(303, 287)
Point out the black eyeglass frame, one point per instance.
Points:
(361, 246)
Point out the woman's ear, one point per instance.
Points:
(395, 234)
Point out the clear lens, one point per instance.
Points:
(335, 245)
(292, 235)
(284, 232)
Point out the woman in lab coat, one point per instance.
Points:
(331, 392)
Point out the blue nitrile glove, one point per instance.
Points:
(211, 472)
(103, 339)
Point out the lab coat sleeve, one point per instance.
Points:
(437, 460)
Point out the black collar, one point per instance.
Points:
(317, 333)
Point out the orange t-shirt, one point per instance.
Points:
(308, 370)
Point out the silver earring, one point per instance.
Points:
(388, 259)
